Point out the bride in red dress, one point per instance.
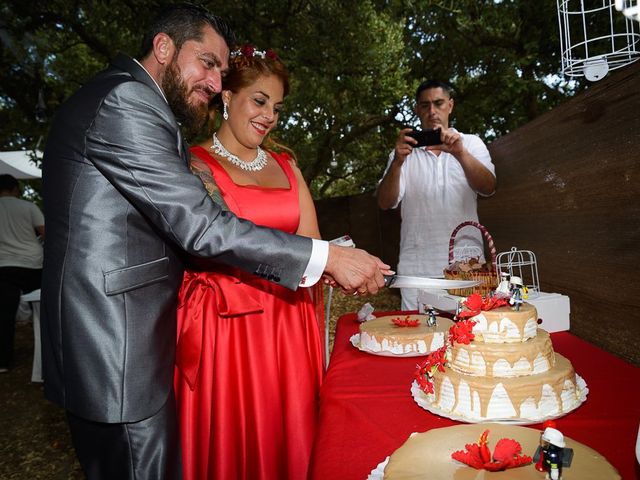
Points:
(249, 357)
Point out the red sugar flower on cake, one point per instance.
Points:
(507, 454)
(473, 302)
(406, 321)
(424, 383)
(424, 373)
(462, 332)
(476, 304)
(491, 302)
(437, 359)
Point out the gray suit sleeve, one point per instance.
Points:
(135, 143)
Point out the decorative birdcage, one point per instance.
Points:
(595, 38)
(523, 264)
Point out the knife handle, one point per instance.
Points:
(389, 280)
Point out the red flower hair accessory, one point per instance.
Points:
(507, 454)
(249, 51)
(271, 54)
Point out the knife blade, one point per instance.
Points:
(405, 281)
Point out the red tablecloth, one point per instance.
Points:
(367, 411)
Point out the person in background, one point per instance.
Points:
(21, 234)
(122, 210)
(437, 187)
(249, 353)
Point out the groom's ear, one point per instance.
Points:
(163, 48)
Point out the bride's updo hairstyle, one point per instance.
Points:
(247, 64)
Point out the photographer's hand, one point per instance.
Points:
(479, 178)
(404, 146)
(451, 143)
(389, 187)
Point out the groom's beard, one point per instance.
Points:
(193, 118)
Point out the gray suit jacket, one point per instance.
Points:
(122, 208)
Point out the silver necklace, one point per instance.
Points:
(255, 165)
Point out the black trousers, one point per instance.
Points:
(144, 450)
(14, 281)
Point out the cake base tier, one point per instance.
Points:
(527, 399)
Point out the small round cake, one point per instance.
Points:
(427, 456)
(382, 335)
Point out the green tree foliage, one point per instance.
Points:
(503, 57)
(354, 65)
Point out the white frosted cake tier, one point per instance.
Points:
(527, 398)
(382, 335)
(505, 325)
(536, 355)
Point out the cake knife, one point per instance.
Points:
(405, 281)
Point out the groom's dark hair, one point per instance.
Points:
(183, 22)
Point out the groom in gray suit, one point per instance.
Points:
(122, 209)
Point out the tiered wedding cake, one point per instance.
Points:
(498, 365)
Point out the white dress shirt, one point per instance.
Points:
(436, 198)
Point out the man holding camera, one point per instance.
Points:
(437, 175)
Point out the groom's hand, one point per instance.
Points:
(355, 271)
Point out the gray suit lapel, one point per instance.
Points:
(129, 65)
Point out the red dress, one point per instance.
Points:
(249, 356)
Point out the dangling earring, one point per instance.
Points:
(225, 113)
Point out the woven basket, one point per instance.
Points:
(488, 279)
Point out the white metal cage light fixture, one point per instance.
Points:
(595, 38)
(630, 8)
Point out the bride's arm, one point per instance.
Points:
(308, 225)
(201, 170)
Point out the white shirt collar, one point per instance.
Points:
(154, 80)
